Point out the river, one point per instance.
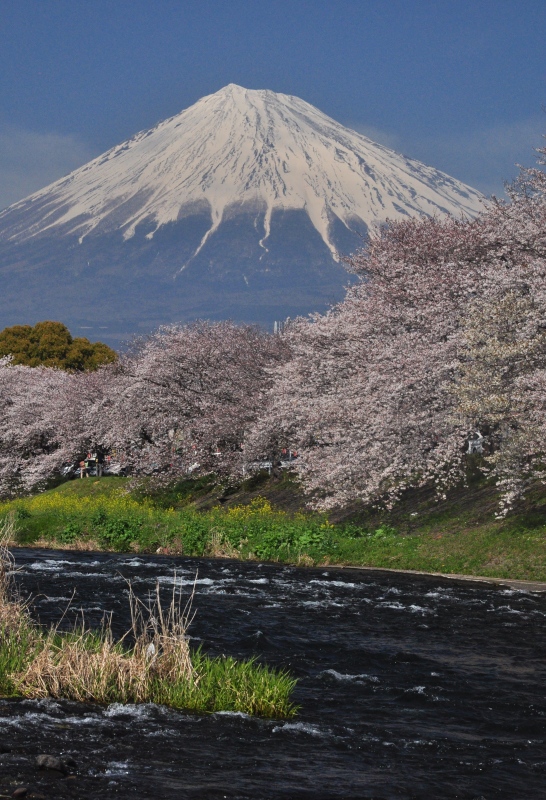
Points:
(409, 687)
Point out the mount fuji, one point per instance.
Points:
(238, 207)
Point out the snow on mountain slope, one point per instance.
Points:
(241, 148)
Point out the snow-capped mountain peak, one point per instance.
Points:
(243, 149)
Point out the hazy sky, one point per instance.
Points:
(458, 84)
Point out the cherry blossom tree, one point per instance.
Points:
(31, 449)
(443, 335)
(503, 343)
(182, 399)
(367, 398)
(178, 403)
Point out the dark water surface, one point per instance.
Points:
(410, 687)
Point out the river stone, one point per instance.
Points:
(47, 761)
(21, 791)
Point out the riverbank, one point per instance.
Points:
(264, 520)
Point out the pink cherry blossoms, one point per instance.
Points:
(444, 336)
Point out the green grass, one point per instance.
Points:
(457, 535)
(225, 684)
(17, 649)
(494, 550)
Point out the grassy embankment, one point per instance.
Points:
(265, 519)
(153, 664)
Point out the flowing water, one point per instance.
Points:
(409, 687)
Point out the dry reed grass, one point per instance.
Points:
(92, 667)
(83, 545)
(219, 547)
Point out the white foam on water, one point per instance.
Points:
(162, 732)
(117, 768)
(401, 607)
(36, 719)
(419, 609)
(54, 564)
(232, 714)
(340, 676)
(139, 562)
(508, 609)
(48, 565)
(340, 584)
(214, 591)
(322, 604)
(301, 727)
(55, 599)
(259, 580)
(174, 580)
(90, 719)
(93, 576)
(140, 711)
(47, 703)
(419, 742)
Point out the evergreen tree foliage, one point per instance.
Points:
(50, 344)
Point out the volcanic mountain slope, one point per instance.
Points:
(237, 207)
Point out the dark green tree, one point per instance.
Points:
(50, 344)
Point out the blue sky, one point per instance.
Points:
(457, 84)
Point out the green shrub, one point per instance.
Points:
(70, 533)
(118, 533)
(195, 534)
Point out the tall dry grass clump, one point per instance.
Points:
(91, 666)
